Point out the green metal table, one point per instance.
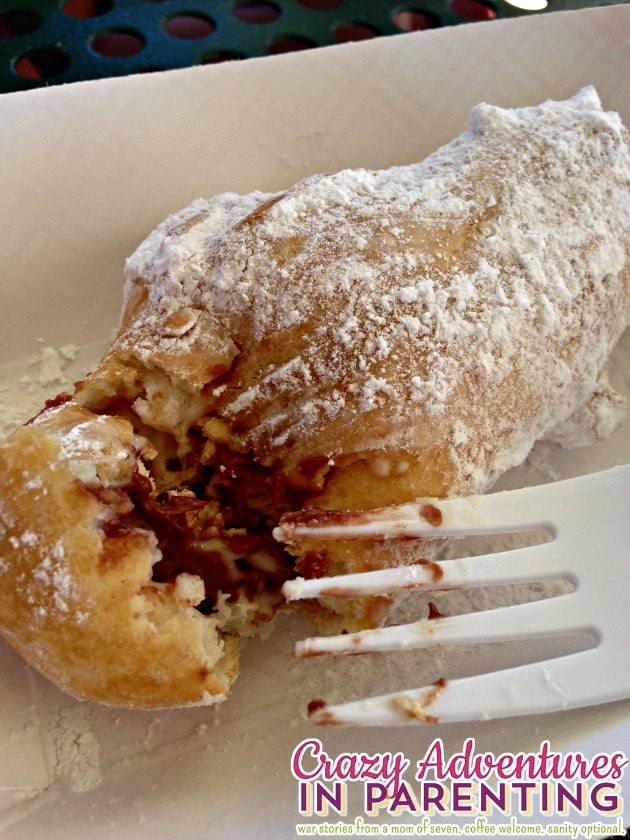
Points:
(47, 42)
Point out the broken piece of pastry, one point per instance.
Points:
(361, 339)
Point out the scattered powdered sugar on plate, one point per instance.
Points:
(27, 383)
(78, 751)
(52, 363)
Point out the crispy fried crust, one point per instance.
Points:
(80, 606)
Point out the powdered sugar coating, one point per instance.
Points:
(408, 295)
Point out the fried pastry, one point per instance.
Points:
(361, 339)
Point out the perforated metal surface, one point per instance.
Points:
(56, 41)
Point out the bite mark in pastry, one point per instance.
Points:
(361, 339)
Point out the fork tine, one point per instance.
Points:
(553, 685)
(519, 565)
(504, 624)
(588, 520)
(496, 513)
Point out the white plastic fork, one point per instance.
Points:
(588, 519)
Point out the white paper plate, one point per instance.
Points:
(87, 170)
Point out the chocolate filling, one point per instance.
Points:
(192, 540)
(212, 516)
